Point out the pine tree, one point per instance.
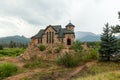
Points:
(116, 29)
(12, 44)
(108, 43)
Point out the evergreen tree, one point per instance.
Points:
(108, 43)
(12, 44)
(119, 15)
(116, 29)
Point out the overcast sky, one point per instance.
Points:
(27, 17)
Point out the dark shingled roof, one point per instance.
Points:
(70, 24)
(39, 34)
(57, 28)
(64, 31)
(60, 31)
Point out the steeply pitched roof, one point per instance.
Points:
(60, 31)
(39, 34)
(57, 28)
(64, 31)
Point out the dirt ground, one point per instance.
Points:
(59, 73)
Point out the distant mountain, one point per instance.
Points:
(119, 36)
(79, 35)
(17, 39)
(86, 36)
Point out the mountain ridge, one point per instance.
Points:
(16, 38)
(79, 35)
(86, 36)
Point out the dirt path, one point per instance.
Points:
(13, 60)
(29, 73)
(24, 75)
(79, 68)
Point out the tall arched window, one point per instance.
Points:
(52, 37)
(38, 41)
(47, 38)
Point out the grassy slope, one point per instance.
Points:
(100, 71)
(49, 70)
(114, 75)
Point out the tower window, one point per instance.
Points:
(68, 41)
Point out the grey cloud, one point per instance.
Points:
(35, 11)
(87, 15)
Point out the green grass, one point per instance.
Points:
(11, 52)
(104, 76)
(99, 69)
(68, 60)
(36, 62)
(7, 69)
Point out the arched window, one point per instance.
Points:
(47, 38)
(38, 41)
(68, 41)
(52, 37)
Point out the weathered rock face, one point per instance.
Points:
(30, 51)
(33, 50)
(51, 53)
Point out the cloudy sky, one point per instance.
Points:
(27, 17)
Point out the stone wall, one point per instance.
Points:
(57, 40)
(68, 36)
(34, 41)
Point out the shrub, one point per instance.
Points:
(42, 47)
(7, 69)
(93, 54)
(35, 62)
(68, 60)
(50, 51)
(1, 47)
(77, 46)
(57, 50)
